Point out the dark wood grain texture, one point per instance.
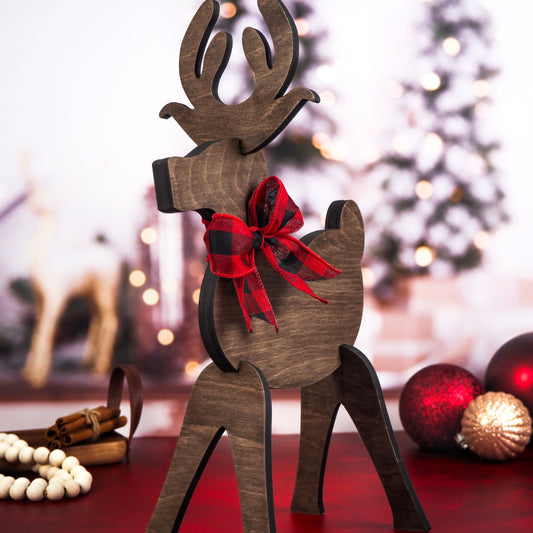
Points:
(214, 177)
(239, 403)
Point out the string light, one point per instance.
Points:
(451, 46)
(228, 10)
(324, 73)
(433, 144)
(430, 81)
(481, 88)
(302, 26)
(137, 278)
(400, 145)
(328, 150)
(150, 297)
(320, 140)
(148, 235)
(424, 189)
(424, 256)
(369, 278)
(165, 337)
(434, 140)
(481, 239)
(191, 367)
(327, 98)
(196, 296)
(332, 153)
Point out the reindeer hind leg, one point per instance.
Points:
(355, 385)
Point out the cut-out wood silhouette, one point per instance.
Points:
(314, 347)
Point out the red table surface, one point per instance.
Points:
(458, 491)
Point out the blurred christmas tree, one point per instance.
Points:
(440, 197)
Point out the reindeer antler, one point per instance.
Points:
(262, 116)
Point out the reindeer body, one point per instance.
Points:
(314, 347)
(284, 358)
(61, 269)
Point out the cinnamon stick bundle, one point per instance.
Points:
(83, 425)
(87, 432)
(71, 423)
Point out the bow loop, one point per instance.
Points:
(272, 210)
(229, 242)
(231, 246)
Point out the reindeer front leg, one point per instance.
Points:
(238, 402)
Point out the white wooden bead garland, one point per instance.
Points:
(60, 475)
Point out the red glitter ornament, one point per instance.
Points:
(511, 369)
(432, 404)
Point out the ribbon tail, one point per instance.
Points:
(239, 287)
(254, 300)
(299, 265)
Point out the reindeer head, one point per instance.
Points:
(221, 173)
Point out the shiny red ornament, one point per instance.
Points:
(432, 404)
(511, 369)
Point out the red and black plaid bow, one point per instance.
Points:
(231, 246)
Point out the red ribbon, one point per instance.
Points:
(231, 246)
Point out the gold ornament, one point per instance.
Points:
(495, 426)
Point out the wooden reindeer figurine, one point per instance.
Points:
(225, 180)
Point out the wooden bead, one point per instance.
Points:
(12, 454)
(26, 455)
(55, 491)
(5, 485)
(18, 488)
(62, 475)
(51, 472)
(35, 491)
(72, 488)
(84, 480)
(69, 463)
(77, 470)
(4, 446)
(11, 438)
(56, 457)
(40, 455)
(43, 470)
(56, 470)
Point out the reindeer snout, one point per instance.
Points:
(163, 188)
